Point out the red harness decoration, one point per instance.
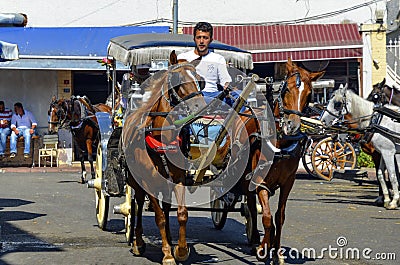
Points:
(162, 148)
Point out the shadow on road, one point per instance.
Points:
(13, 239)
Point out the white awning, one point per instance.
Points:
(8, 51)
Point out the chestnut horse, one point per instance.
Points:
(290, 103)
(293, 97)
(149, 146)
(78, 115)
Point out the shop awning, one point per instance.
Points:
(65, 48)
(275, 43)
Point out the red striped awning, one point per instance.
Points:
(276, 43)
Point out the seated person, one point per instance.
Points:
(212, 66)
(5, 120)
(23, 123)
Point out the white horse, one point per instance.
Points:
(344, 101)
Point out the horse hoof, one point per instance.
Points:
(138, 250)
(386, 204)
(379, 201)
(278, 260)
(168, 261)
(391, 206)
(178, 256)
(83, 181)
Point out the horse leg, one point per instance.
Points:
(280, 218)
(83, 175)
(393, 180)
(139, 246)
(268, 224)
(382, 182)
(168, 259)
(166, 208)
(82, 159)
(181, 251)
(89, 147)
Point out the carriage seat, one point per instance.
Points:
(163, 148)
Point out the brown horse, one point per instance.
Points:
(384, 94)
(78, 115)
(293, 97)
(149, 146)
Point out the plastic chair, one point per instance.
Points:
(49, 149)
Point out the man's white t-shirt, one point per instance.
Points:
(212, 68)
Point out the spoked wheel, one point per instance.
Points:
(130, 217)
(307, 163)
(330, 155)
(218, 218)
(248, 223)
(102, 200)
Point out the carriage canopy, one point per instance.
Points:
(139, 49)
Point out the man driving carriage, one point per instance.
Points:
(211, 66)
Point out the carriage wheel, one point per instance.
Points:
(130, 218)
(102, 200)
(329, 155)
(307, 163)
(248, 223)
(218, 218)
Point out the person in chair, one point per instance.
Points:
(23, 123)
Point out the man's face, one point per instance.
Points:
(17, 110)
(202, 40)
(2, 108)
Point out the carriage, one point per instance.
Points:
(332, 149)
(111, 167)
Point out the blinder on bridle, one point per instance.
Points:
(175, 80)
(284, 87)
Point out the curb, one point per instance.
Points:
(40, 169)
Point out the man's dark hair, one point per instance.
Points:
(203, 26)
(19, 105)
(1, 102)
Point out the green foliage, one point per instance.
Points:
(365, 160)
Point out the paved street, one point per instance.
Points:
(49, 218)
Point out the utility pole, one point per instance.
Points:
(175, 17)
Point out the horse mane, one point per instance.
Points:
(360, 107)
(154, 85)
(86, 102)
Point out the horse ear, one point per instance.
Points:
(345, 87)
(173, 58)
(289, 65)
(316, 75)
(381, 84)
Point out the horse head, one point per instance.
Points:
(294, 96)
(53, 118)
(377, 94)
(59, 114)
(347, 105)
